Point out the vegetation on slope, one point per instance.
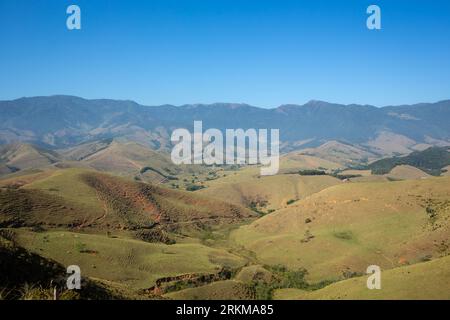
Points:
(131, 263)
(265, 194)
(426, 280)
(80, 199)
(29, 276)
(431, 160)
(144, 240)
(345, 228)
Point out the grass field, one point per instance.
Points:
(347, 227)
(220, 290)
(426, 280)
(68, 185)
(79, 198)
(267, 192)
(25, 156)
(404, 172)
(127, 235)
(341, 153)
(129, 262)
(295, 161)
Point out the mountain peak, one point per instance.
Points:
(217, 105)
(318, 103)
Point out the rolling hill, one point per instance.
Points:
(90, 182)
(119, 260)
(431, 160)
(78, 199)
(18, 156)
(220, 290)
(124, 234)
(342, 153)
(421, 281)
(27, 275)
(345, 228)
(404, 172)
(295, 160)
(126, 159)
(269, 192)
(116, 156)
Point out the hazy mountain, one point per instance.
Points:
(18, 156)
(339, 152)
(123, 158)
(65, 121)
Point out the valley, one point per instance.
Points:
(141, 227)
(244, 152)
(295, 235)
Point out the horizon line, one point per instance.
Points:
(311, 101)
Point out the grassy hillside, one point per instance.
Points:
(118, 231)
(220, 290)
(267, 192)
(27, 275)
(342, 153)
(446, 171)
(343, 229)
(80, 199)
(427, 280)
(404, 172)
(133, 263)
(137, 161)
(84, 150)
(243, 236)
(126, 159)
(245, 186)
(390, 143)
(295, 161)
(20, 156)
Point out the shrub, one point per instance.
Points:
(345, 235)
(194, 187)
(311, 172)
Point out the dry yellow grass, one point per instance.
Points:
(295, 161)
(446, 171)
(350, 226)
(133, 263)
(77, 198)
(427, 280)
(220, 290)
(341, 153)
(363, 173)
(404, 172)
(276, 191)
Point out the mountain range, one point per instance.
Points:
(91, 183)
(66, 121)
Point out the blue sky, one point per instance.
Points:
(264, 53)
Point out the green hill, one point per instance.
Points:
(83, 199)
(344, 228)
(431, 160)
(131, 263)
(421, 281)
(28, 275)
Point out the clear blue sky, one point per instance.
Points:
(264, 53)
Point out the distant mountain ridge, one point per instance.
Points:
(66, 121)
